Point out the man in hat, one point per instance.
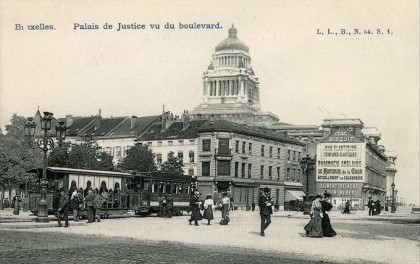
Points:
(195, 209)
(265, 210)
(62, 208)
(371, 206)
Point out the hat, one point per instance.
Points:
(319, 195)
(61, 189)
(327, 195)
(266, 190)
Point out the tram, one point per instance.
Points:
(127, 192)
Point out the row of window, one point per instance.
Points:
(223, 169)
(171, 142)
(116, 152)
(180, 156)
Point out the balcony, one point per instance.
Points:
(223, 153)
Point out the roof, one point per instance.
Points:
(175, 131)
(232, 42)
(81, 171)
(140, 124)
(106, 125)
(257, 131)
(78, 124)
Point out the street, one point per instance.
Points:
(360, 239)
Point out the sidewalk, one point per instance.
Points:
(285, 234)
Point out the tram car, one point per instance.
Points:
(126, 192)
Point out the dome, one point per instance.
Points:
(232, 42)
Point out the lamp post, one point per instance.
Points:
(307, 164)
(45, 143)
(393, 198)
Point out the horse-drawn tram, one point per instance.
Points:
(123, 192)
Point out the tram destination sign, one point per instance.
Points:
(340, 158)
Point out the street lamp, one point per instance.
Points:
(393, 198)
(45, 143)
(307, 165)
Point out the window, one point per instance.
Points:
(158, 158)
(191, 172)
(205, 168)
(262, 171)
(293, 174)
(159, 143)
(250, 148)
(278, 173)
(243, 147)
(278, 153)
(243, 170)
(181, 155)
(288, 174)
(288, 154)
(149, 143)
(206, 144)
(170, 143)
(298, 175)
(236, 169)
(223, 167)
(271, 152)
(191, 155)
(180, 142)
(298, 156)
(249, 170)
(262, 150)
(192, 142)
(237, 146)
(270, 172)
(223, 146)
(294, 155)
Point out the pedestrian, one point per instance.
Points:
(76, 200)
(370, 205)
(347, 207)
(208, 209)
(326, 205)
(265, 210)
(90, 205)
(195, 208)
(161, 211)
(98, 201)
(63, 207)
(253, 206)
(378, 207)
(231, 204)
(314, 227)
(16, 203)
(169, 206)
(225, 207)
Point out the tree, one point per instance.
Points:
(85, 155)
(16, 156)
(173, 165)
(139, 158)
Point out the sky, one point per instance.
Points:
(304, 77)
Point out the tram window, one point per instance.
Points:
(73, 184)
(161, 187)
(180, 189)
(174, 187)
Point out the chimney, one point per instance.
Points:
(372, 140)
(133, 121)
(167, 119)
(211, 118)
(69, 120)
(97, 121)
(185, 119)
(381, 149)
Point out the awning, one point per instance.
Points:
(294, 195)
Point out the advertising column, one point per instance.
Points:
(340, 168)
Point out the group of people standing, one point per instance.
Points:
(374, 207)
(208, 207)
(166, 205)
(78, 200)
(320, 225)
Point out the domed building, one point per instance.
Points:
(230, 87)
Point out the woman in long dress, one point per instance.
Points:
(314, 227)
(327, 229)
(225, 204)
(208, 209)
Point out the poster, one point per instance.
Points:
(313, 59)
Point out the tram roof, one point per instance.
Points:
(82, 171)
(162, 176)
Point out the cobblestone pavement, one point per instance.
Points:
(30, 247)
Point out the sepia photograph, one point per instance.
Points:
(209, 131)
